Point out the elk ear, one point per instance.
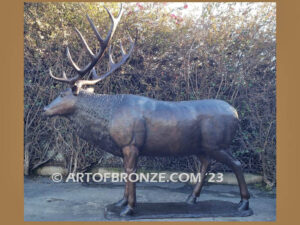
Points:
(75, 90)
(90, 90)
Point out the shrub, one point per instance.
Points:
(225, 52)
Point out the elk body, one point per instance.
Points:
(130, 126)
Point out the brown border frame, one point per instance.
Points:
(11, 114)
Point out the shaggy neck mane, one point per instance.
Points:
(95, 108)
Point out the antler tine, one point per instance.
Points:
(112, 66)
(97, 56)
(65, 75)
(94, 73)
(85, 43)
(64, 79)
(100, 39)
(111, 61)
(73, 64)
(114, 22)
(103, 43)
(122, 49)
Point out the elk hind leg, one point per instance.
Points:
(226, 158)
(192, 198)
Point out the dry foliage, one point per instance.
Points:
(225, 52)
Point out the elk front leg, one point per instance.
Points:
(198, 187)
(130, 154)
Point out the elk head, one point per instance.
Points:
(65, 103)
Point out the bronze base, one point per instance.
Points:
(165, 210)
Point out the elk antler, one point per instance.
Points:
(95, 57)
(112, 65)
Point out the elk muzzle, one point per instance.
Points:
(64, 104)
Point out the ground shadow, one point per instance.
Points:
(202, 209)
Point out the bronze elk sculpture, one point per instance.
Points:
(130, 126)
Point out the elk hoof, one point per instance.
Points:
(191, 199)
(121, 203)
(243, 205)
(127, 211)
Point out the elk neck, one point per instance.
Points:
(92, 116)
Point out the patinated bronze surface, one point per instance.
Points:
(129, 126)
